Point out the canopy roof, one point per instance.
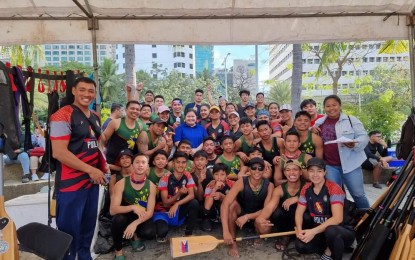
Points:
(203, 22)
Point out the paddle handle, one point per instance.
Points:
(288, 233)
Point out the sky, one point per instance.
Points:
(243, 52)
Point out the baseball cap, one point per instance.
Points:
(157, 120)
(263, 112)
(292, 162)
(126, 152)
(256, 160)
(248, 106)
(222, 98)
(286, 107)
(316, 162)
(214, 108)
(234, 113)
(163, 108)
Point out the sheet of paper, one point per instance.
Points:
(341, 140)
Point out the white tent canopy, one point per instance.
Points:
(203, 22)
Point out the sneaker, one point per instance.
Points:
(45, 176)
(25, 178)
(138, 246)
(206, 225)
(35, 177)
(377, 186)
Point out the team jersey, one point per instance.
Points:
(172, 185)
(131, 196)
(68, 124)
(224, 190)
(319, 205)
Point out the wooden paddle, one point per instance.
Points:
(184, 246)
(403, 238)
(8, 239)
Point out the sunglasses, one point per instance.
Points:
(259, 168)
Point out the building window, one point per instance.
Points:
(47, 52)
(371, 59)
(123, 65)
(55, 47)
(365, 72)
(87, 47)
(102, 53)
(154, 65)
(364, 59)
(398, 58)
(72, 58)
(183, 65)
(64, 52)
(191, 46)
(153, 46)
(71, 47)
(191, 55)
(80, 53)
(303, 61)
(183, 75)
(316, 61)
(64, 59)
(391, 59)
(71, 52)
(358, 72)
(154, 76)
(55, 52)
(309, 61)
(123, 54)
(175, 65)
(351, 73)
(344, 73)
(191, 66)
(63, 47)
(103, 47)
(47, 47)
(378, 59)
(385, 59)
(87, 52)
(79, 47)
(48, 58)
(88, 58)
(154, 55)
(80, 59)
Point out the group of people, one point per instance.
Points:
(241, 164)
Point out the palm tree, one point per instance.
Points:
(394, 47)
(109, 80)
(280, 92)
(24, 55)
(297, 77)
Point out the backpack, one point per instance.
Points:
(407, 140)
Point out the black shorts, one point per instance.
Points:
(367, 165)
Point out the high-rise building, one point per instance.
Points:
(204, 58)
(55, 54)
(155, 59)
(244, 75)
(362, 61)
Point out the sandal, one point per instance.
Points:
(281, 243)
(161, 239)
(137, 246)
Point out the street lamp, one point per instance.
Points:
(226, 76)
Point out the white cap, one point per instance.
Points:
(286, 107)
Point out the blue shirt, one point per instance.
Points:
(194, 135)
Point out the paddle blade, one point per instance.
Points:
(8, 239)
(183, 246)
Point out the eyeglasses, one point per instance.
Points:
(259, 168)
(378, 136)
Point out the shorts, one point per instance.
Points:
(175, 222)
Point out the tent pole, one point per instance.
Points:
(412, 60)
(95, 63)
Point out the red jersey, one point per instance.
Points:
(68, 124)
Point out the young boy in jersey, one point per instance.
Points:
(280, 211)
(186, 147)
(244, 202)
(177, 193)
(200, 174)
(255, 152)
(132, 206)
(292, 152)
(246, 141)
(229, 158)
(214, 194)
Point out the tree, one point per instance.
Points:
(280, 92)
(130, 76)
(333, 56)
(394, 47)
(24, 55)
(110, 82)
(242, 78)
(297, 77)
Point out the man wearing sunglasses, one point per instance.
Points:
(376, 152)
(244, 202)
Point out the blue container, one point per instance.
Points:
(396, 163)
